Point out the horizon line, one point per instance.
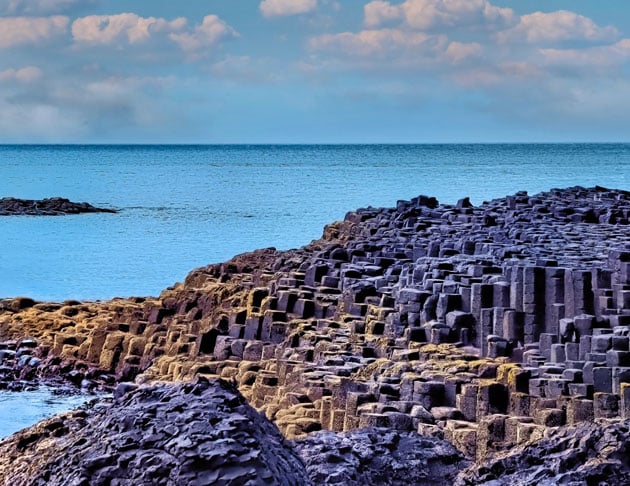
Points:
(288, 144)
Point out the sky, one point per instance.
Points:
(314, 71)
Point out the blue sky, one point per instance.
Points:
(314, 71)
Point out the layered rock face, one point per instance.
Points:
(54, 206)
(485, 325)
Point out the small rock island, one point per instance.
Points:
(425, 343)
(54, 206)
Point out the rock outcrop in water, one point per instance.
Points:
(54, 206)
(486, 325)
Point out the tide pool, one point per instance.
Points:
(19, 410)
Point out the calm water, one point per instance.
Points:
(22, 409)
(188, 206)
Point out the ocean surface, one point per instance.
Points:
(183, 207)
(187, 206)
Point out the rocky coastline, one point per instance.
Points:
(496, 336)
(54, 206)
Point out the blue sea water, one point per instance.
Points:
(22, 409)
(188, 206)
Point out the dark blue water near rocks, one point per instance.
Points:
(187, 206)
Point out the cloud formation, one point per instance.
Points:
(23, 75)
(560, 26)
(131, 29)
(450, 32)
(376, 42)
(607, 56)
(280, 8)
(126, 27)
(38, 7)
(61, 109)
(432, 14)
(16, 31)
(460, 51)
(126, 74)
(207, 34)
(415, 32)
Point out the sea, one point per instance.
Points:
(185, 206)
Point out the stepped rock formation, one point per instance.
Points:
(485, 325)
(54, 206)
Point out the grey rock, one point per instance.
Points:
(379, 456)
(594, 453)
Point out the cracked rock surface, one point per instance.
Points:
(594, 453)
(378, 456)
(193, 433)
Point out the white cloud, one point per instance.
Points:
(435, 14)
(427, 14)
(129, 27)
(277, 8)
(378, 12)
(559, 26)
(371, 42)
(31, 7)
(16, 31)
(601, 56)
(460, 51)
(207, 34)
(24, 75)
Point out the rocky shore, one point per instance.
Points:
(54, 206)
(490, 328)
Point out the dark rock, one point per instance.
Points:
(588, 454)
(55, 206)
(193, 433)
(376, 456)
